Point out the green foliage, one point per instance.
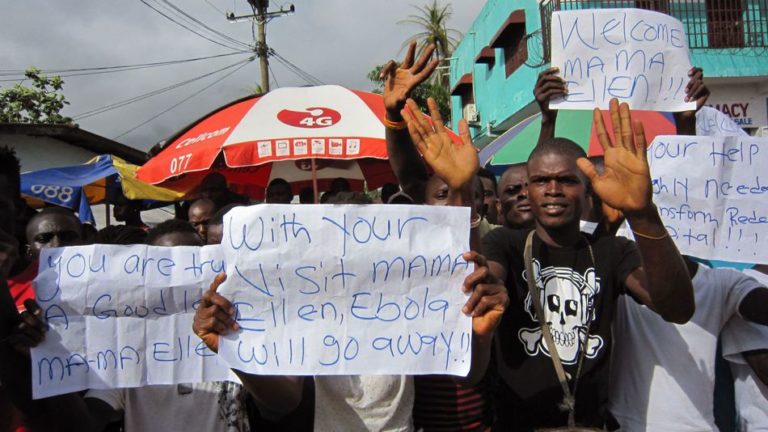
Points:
(432, 20)
(41, 102)
(420, 93)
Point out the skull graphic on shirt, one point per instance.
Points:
(568, 299)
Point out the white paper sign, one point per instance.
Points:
(711, 194)
(637, 56)
(327, 290)
(121, 316)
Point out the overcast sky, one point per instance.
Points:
(336, 41)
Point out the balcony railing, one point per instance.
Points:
(708, 23)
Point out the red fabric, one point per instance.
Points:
(197, 148)
(21, 285)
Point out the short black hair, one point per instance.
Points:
(388, 190)
(349, 198)
(218, 217)
(121, 235)
(10, 168)
(560, 146)
(169, 227)
(278, 182)
(340, 184)
(486, 173)
(307, 195)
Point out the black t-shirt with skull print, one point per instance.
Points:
(574, 292)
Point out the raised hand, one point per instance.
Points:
(694, 91)
(215, 315)
(488, 297)
(548, 85)
(625, 184)
(401, 80)
(30, 330)
(455, 163)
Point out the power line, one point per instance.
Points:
(225, 45)
(203, 25)
(306, 76)
(129, 101)
(185, 99)
(109, 69)
(274, 77)
(214, 6)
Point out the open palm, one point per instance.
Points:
(625, 184)
(455, 163)
(401, 80)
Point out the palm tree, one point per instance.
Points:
(432, 20)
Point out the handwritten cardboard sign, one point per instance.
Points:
(326, 290)
(637, 56)
(121, 316)
(318, 290)
(711, 194)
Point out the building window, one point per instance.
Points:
(654, 5)
(725, 23)
(511, 39)
(463, 89)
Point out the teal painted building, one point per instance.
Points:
(494, 68)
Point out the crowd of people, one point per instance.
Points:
(574, 327)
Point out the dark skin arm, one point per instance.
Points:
(694, 91)
(457, 164)
(685, 122)
(400, 81)
(662, 282)
(63, 412)
(758, 361)
(754, 306)
(548, 85)
(275, 396)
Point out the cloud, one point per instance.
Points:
(337, 41)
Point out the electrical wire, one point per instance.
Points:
(110, 69)
(203, 25)
(129, 101)
(185, 99)
(217, 9)
(272, 74)
(306, 76)
(225, 45)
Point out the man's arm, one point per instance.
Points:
(548, 85)
(685, 121)
(457, 164)
(62, 412)
(275, 396)
(758, 361)
(399, 82)
(486, 305)
(663, 282)
(754, 306)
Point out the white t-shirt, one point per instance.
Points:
(364, 403)
(663, 374)
(737, 337)
(184, 407)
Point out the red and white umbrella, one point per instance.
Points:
(279, 135)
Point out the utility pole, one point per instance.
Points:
(262, 16)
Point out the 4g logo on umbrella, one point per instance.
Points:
(312, 118)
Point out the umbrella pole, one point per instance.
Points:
(314, 179)
(106, 211)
